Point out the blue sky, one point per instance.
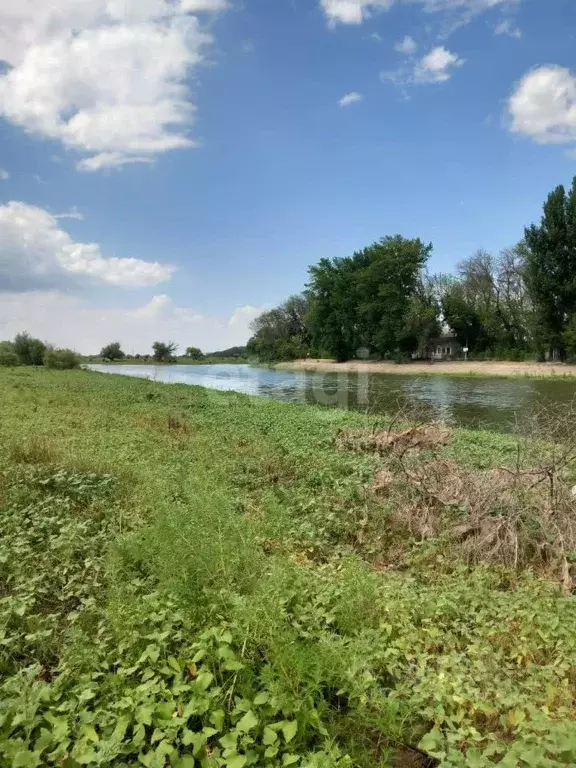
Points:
(225, 146)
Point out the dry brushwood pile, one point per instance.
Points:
(522, 516)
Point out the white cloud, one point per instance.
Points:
(73, 213)
(543, 105)
(35, 251)
(352, 11)
(507, 27)
(243, 316)
(67, 321)
(437, 66)
(350, 98)
(357, 11)
(111, 160)
(407, 46)
(105, 77)
(4, 175)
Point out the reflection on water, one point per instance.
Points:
(495, 403)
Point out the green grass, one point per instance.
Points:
(196, 578)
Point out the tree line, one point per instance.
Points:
(382, 302)
(165, 352)
(26, 350)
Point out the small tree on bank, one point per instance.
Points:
(164, 351)
(30, 351)
(194, 353)
(112, 351)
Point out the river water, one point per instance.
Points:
(496, 403)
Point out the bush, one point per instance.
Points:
(8, 355)
(30, 351)
(61, 359)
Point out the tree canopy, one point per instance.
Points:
(112, 351)
(282, 333)
(30, 351)
(164, 351)
(364, 301)
(551, 269)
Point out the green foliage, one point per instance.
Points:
(231, 594)
(8, 356)
(551, 268)
(364, 300)
(281, 333)
(422, 323)
(112, 351)
(164, 351)
(30, 351)
(194, 353)
(487, 306)
(61, 359)
(231, 352)
(569, 338)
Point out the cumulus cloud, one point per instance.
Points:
(35, 251)
(437, 66)
(66, 320)
(105, 77)
(357, 11)
(407, 46)
(350, 98)
(543, 106)
(4, 175)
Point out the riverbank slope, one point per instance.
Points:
(202, 578)
(456, 368)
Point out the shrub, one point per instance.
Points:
(30, 351)
(61, 359)
(7, 354)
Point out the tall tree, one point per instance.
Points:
(551, 268)
(333, 313)
(422, 324)
(364, 301)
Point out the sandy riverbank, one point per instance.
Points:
(459, 368)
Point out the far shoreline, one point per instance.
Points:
(424, 368)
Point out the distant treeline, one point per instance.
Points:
(382, 302)
(166, 352)
(26, 350)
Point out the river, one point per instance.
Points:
(496, 403)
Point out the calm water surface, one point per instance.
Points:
(496, 403)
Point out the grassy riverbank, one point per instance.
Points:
(196, 578)
(420, 368)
